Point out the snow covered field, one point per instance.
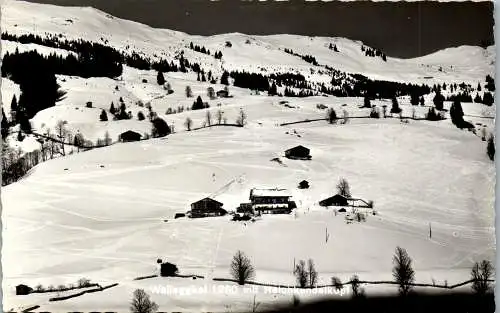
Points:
(101, 214)
(106, 224)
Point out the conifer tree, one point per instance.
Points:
(160, 78)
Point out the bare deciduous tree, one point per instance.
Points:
(208, 118)
(241, 268)
(189, 92)
(343, 188)
(402, 271)
(188, 123)
(141, 303)
(301, 274)
(241, 120)
(219, 116)
(357, 291)
(481, 274)
(107, 139)
(61, 132)
(313, 274)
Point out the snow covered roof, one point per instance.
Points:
(269, 192)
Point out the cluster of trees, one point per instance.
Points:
(101, 58)
(89, 64)
(308, 58)
(200, 49)
(119, 113)
(252, 81)
(202, 78)
(333, 47)
(432, 115)
(53, 144)
(371, 52)
(306, 276)
(364, 86)
(36, 77)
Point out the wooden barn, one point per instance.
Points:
(130, 136)
(23, 290)
(207, 207)
(270, 200)
(304, 184)
(298, 153)
(222, 94)
(337, 200)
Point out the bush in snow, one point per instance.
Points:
(331, 115)
(432, 115)
(337, 283)
(241, 268)
(141, 303)
(140, 116)
(374, 113)
(481, 273)
(402, 271)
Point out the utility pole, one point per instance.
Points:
(430, 231)
(326, 234)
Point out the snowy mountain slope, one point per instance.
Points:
(471, 63)
(96, 221)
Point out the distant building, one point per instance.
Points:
(270, 200)
(337, 200)
(304, 184)
(222, 94)
(340, 200)
(129, 136)
(298, 153)
(207, 207)
(23, 290)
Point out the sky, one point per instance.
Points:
(400, 29)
